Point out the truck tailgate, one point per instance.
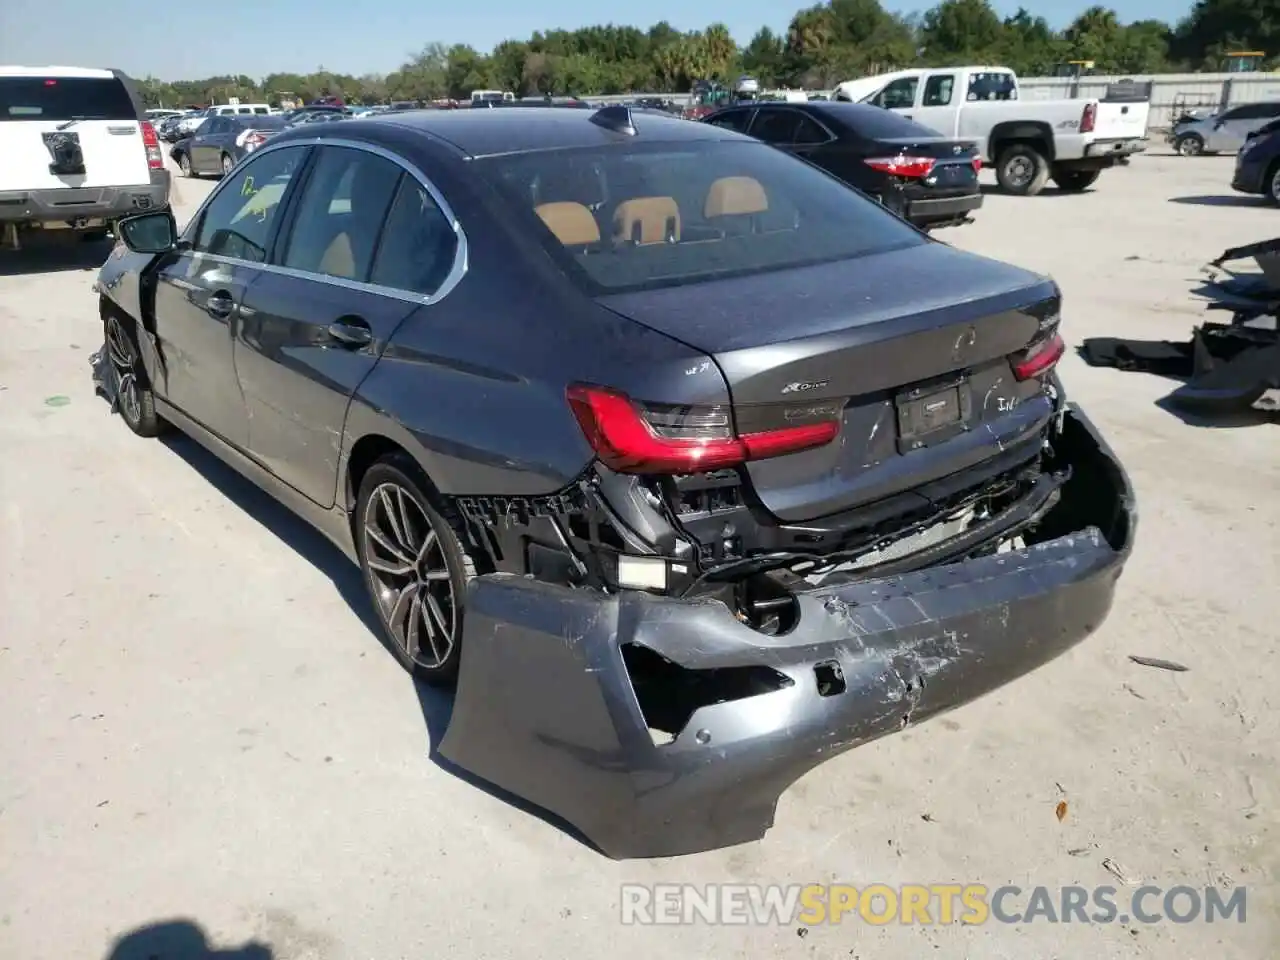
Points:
(1117, 121)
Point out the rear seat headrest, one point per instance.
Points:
(572, 223)
(735, 196)
(645, 220)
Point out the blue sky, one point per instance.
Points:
(176, 40)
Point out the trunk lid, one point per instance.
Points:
(909, 350)
(952, 167)
(98, 111)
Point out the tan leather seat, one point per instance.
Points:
(572, 223)
(645, 220)
(735, 197)
(339, 260)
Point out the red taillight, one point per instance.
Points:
(902, 165)
(679, 440)
(155, 159)
(1088, 118)
(977, 163)
(1039, 358)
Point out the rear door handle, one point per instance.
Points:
(219, 305)
(351, 332)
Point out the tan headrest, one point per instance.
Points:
(339, 260)
(572, 223)
(735, 196)
(647, 220)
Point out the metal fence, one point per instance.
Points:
(1170, 92)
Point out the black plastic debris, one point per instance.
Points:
(1226, 367)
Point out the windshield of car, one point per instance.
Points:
(65, 98)
(634, 217)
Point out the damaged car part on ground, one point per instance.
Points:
(725, 498)
(1227, 367)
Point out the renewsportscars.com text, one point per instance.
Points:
(926, 904)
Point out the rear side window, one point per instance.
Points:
(662, 215)
(991, 86)
(341, 212)
(776, 126)
(731, 120)
(418, 243)
(65, 98)
(937, 90)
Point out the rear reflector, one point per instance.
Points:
(630, 438)
(902, 165)
(1039, 358)
(155, 159)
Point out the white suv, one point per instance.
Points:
(77, 151)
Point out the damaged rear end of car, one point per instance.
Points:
(876, 505)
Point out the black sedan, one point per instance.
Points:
(922, 176)
(690, 465)
(1258, 163)
(220, 143)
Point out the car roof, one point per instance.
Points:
(482, 133)
(56, 71)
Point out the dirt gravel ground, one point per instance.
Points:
(196, 724)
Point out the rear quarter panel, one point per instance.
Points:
(979, 120)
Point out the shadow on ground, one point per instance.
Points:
(436, 704)
(54, 253)
(1221, 200)
(180, 940)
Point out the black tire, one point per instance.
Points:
(1022, 170)
(134, 399)
(227, 164)
(1189, 145)
(414, 569)
(1074, 181)
(184, 164)
(1271, 185)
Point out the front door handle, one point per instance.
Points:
(351, 332)
(219, 305)
(907, 116)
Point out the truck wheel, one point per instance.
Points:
(1022, 170)
(1189, 145)
(1073, 181)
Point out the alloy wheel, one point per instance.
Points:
(410, 573)
(226, 164)
(124, 365)
(1189, 147)
(1274, 185)
(184, 164)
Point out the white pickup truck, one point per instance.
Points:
(1027, 140)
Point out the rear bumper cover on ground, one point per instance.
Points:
(70, 204)
(546, 708)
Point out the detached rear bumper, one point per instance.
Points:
(547, 704)
(73, 204)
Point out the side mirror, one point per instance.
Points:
(149, 232)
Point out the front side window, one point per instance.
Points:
(901, 93)
(663, 215)
(239, 220)
(340, 213)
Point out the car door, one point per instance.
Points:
(366, 246)
(1228, 131)
(201, 149)
(200, 290)
(937, 107)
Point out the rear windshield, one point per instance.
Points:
(635, 217)
(64, 98)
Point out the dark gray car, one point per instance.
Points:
(691, 465)
(220, 143)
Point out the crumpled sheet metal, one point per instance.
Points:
(545, 708)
